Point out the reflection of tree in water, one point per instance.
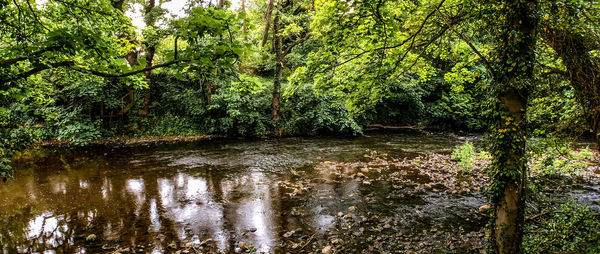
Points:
(138, 200)
(62, 211)
(65, 200)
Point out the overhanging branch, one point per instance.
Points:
(71, 65)
(127, 74)
(463, 38)
(23, 58)
(35, 71)
(411, 39)
(296, 43)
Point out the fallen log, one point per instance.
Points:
(419, 128)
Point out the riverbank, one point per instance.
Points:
(125, 141)
(129, 141)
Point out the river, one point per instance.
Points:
(234, 196)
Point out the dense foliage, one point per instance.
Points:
(571, 228)
(78, 72)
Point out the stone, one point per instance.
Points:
(484, 208)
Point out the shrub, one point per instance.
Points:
(554, 155)
(17, 131)
(233, 114)
(235, 108)
(554, 108)
(69, 125)
(572, 228)
(464, 155)
(308, 112)
(169, 124)
(432, 103)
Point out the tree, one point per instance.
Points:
(570, 28)
(290, 29)
(513, 75)
(370, 43)
(267, 23)
(152, 13)
(44, 45)
(56, 37)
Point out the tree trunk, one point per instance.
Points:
(208, 90)
(118, 4)
(583, 71)
(132, 59)
(244, 27)
(278, 70)
(597, 130)
(509, 205)
(150, 50)
(268, 23)
(509, 166)
(146, 105)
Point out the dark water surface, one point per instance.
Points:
(150, 199)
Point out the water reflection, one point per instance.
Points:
(226, 191)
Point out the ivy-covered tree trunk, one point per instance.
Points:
(278, 70)
(509, 166)
(510, 172)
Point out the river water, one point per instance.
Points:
(231, 196)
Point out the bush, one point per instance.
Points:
(233, 114)
(169, 124)
(464, 155)
(79, 131)
(243, 109)
(235, 108)
(432, 103)
(572, 228)
(459, 111)
(18, 128)
(307, 112)
(555, 155)
(554, 108)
